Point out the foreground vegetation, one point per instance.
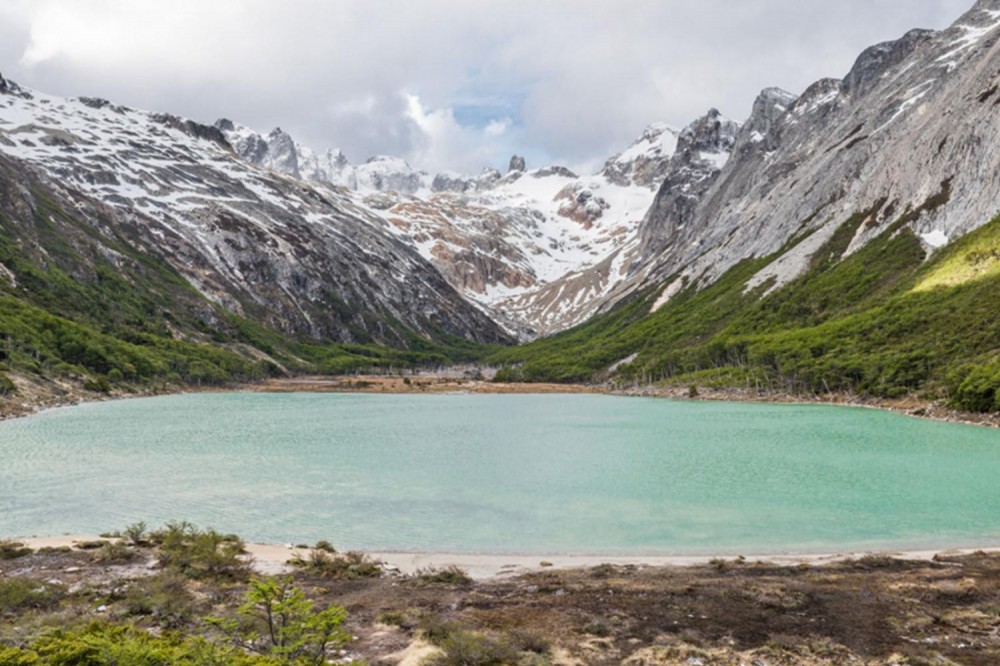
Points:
(882, 322)
(184, 595)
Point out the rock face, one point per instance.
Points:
(911, 135)
(516, 164)
(300, 258)
(702, 149)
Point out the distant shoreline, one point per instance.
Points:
(444, 383)
(418, 384)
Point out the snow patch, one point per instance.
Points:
(669, 292)
(935, 238)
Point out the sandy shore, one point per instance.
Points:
(273, 558)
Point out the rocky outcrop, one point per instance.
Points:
(516, 164)
(703, 147)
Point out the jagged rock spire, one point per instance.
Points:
(516, 164)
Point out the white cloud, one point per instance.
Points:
(569, 80)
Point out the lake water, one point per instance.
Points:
(504, 473)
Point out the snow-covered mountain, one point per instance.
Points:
(539, 249)
(299, 257)
(909, 137)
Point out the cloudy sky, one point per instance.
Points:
(447, 84)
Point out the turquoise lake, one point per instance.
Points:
(504, 473)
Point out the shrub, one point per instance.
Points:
(99, 644)
(435, 629)
(10, 550)
(113, 552)
(198, 553)
(467, 648)
(135, 534)
(90, 545)
(451, 575)
(165, 597)
(529, 641)
(17, 594)
(347, 566)
(325, 545)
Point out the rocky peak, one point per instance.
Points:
(516, 164)
(770, 105)
(712, 133)
(645, 161)
(282, 155)
(487, 179)
(875, 60)
(3, 84)
(449, 181)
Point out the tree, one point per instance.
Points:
(280, 621)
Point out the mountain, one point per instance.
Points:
(849, 243)
(844, 239)
(540, 249)
(298, 258)
(139, 247)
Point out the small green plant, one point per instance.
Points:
(336, 566)
(597, 628)
(277, 619)
(325, 546)
(17, 594)
(451, 575)
(435, 629)
(196, 553)
(135, 534)
(113, 552)
(164, 597)
(467, 648)
(392, 618)
(529, 641)
(10, 550)
(90, 545)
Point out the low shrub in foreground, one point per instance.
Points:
(196, 553)
(10, 550)
(336, 566)
(18, 594)
(451, 575)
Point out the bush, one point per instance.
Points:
(529, 641)
(451, 575)
(325, 545)
(199, 554)
(165, 597)
(17, 594)
(10, 550)
(113, 552)
(104, 644)
(135, 534)
(347, 566)
(467, 648)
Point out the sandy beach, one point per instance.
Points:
(273, 558)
